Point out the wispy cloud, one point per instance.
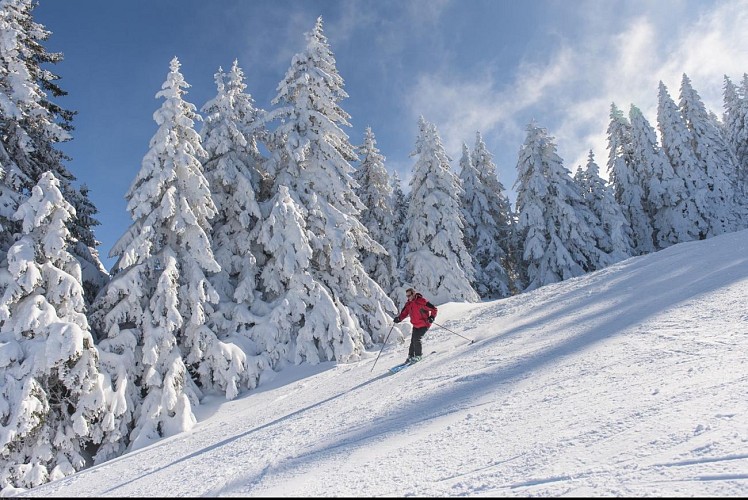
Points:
(351, 19)
(714, 46)
(570, 92)
(426, 13)
(644, 52)
(462, 105)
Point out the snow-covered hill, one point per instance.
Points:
(632, 381)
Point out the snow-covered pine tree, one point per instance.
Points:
(627, 179)
(676, 142)
(488, 222)
(735, 119)
(51, 124)
(667, 199)
(375, 192)
(84, 245)
(400, 214)
(612, 231)
(436, 260)
(503, 214)
(739, 135)
(739, 138)
(740, 203)
(715, 158)
(235, 172)
(17, 91)
(55, 405)
(31, 126)
(342, 310)
(471, 200)
(9, 199)
(602, 239)
(300, 308)
(557, 240)
(160, 296)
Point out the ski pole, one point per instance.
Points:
(442, 326)
(382, 349)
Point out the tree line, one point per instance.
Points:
(264, 238)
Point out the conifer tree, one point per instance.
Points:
(558, 243)
(339, 310)
(55, 406)
(18, 93)
(85, 246)
(375, 191)
(400, 213)
(668, 202)
(715, 158)
(503, 214)
(626, 175)
(469, 204)
(738, 136)
(301, 307)
(488, 228)
(234, 168)
(610, 226)
(160, 295)
(31, 126)
(676, 142)
(436, 261)
(736, 129)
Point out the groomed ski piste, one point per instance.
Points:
(631, 381)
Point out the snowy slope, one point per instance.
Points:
(631, 381)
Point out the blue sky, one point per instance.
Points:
(466, 65)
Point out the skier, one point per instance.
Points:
(422, 313)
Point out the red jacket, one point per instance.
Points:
(419, 309)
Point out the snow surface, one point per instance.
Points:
(631, 381)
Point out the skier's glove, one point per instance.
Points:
(396, 319)
(430, 319)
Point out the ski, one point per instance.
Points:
(403, 366)
(399, 367)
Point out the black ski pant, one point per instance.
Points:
(415, 341)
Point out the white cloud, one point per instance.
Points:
(571, 91)
(714, 46)
(536, 82)
(425, 13)
(351, 19)
(705, 49)
(460, 106)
